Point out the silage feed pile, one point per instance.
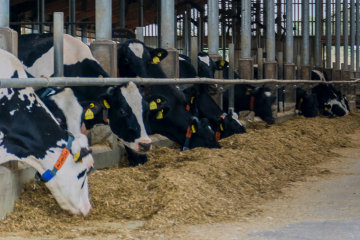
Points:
(196, 186)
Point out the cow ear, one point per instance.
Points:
(221, 65)
(160, 114)
(90, 109)
(156, 102)
(194, 124)
(192, 96)
(157, 55)
(105, 100)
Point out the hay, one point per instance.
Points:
(197, 186)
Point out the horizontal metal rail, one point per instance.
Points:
(71, 81)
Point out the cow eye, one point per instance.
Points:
(121, 111)
(126, 60)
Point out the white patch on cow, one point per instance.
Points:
(236, 118)
(134, 99)
(205, 59)
(321, 75)
(74, 51)
(137, 49)
(13, 112)
(209, 128)
(71, 109)
(268, 94)
(180, 58)
(338, 103)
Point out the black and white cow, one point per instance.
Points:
(331, 102)
(135, 59)
(306, 103)
(122, 107)
(30, 133)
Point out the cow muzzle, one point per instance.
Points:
(145, 147)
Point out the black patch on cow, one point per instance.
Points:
(81, 174)
(15, 75)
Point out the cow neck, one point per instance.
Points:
(220, 128)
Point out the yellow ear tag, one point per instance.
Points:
(159, 55)
(221, 127)
(89, 115)
(158, 101)
(247, 93)
(160, 115)
(156, 60)
(326, 109)
(76, 157)
(222, 63)
(92, 105)
(192, 100)
(106, 104)
(301, 100)
(193, 129)
(153, 105)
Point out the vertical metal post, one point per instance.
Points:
(337, 35)
(233, 4)
(223, 29)
(281, 66)
(213, 26)
(231, 76)
(167, 24)
(298, 65)
(352, 34)
(246, 29)
(140, 34)
(318, 7)
(103, 19)
(305, 32)
(357, 67)
(260, 63)
(58, 44)
(72, 13)
(84, 31)
(346, 34)
(42, 16)
(328, 34)
(187, 31)
(289, 45)
(200, 32)
(4, 13)
(140, 13)
(270, 31)
(175, 25)
(194, 52)
(122, 18)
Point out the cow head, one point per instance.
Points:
(335, 107)
(207, 67)
(309, 105)
(134, 58)
(260, 102)
(126, 110)
(69, 185)
(230, 125)
(202, 134)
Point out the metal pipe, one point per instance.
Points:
(84, 31)
(194, 52)
(213, 26)
(75, 81)
(175, 26)
(260, 63)
(140, 13)
(234, 22)
(352, 34)
(231, 76)
(72, 14)
(281, 64)
(122, 18)
(140, 33)
(270, 31)
(305, 32)
(328, 34)
(223, 29)
(186, 31)
(337, 35)
(167, 24)
(42, 16)
(298, 66)
(357, 67)
(58, 44)
(158, 20)
(246, 28)
(346, 34)
(4, 13)
(289, 44)
(318, 7)
(103, 19)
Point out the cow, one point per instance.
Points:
(331, 102)
(30, 133)
(122, 107)
(306, 103)
(137, 60)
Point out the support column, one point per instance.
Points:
(213, 41)
(318, 54)
(8, 37)
(305, 68)
(104, 49)
(328, 70)
(337, 72)
(140, 13)
(345, 70)
(289, 66)
(246, 69)
(42, 15)
(140, 34)
(260, 58)
(58, 44)
(352, 38)
(231, 99)
(72, 18)
(170, 64)
(271, 71)
(357, 63)
(122, 19)
(194, 53)
(84, 31)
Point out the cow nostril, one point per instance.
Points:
(145, 146)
